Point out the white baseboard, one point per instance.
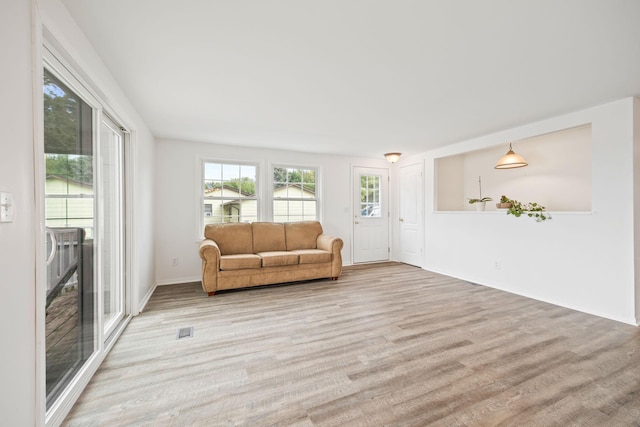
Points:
(146, 298)
(179, 280)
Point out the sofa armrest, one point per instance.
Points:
(210, 255)
(333, 245)
(209, 250)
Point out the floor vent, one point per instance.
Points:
(185, 333)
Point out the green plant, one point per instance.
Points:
(531, 209)
(481, 199)
(484, 199)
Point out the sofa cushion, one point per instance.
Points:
(302, 235)
(232, 238)
(240, 262)
(313, 256)
(268, 236)
(275, 258)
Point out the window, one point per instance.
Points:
(229, 193)
(370, 196)
(294, 194)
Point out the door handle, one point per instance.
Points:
(54, 245)
(356, 222)
(401, 219)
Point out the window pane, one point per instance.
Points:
(309, 210)
(248, 172)
(213, 171)
(309, 181)
(279, 177)
(370, 196)
(280, 210)
(230, 172)
(220, 211)
(295, 191)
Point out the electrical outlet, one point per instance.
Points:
(174, 261)
(497, 265)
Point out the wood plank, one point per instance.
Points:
(387, 344)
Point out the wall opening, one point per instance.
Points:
(558, 175)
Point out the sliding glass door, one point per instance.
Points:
(84, 218)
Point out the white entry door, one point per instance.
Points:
(371, 215)
(410, 215)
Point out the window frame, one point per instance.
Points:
(200, 210)
(316, 198)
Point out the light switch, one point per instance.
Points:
(6, 207)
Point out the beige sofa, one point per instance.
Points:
(238, 255)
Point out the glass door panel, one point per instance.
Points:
(111, 227)
(70, 221)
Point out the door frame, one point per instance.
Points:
(50, 54)
(110, 123)
(386, 207)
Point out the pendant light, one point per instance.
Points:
(510, 160)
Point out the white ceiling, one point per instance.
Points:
(361, 77)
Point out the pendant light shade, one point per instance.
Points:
(510, 160)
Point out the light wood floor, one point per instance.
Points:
(386, 345)
(62, 339)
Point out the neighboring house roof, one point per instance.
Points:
(299, 186)
(72, 181)
(278, 187)
(228, 189)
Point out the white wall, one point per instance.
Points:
(17, 247)
(580, 260)
(177, 194)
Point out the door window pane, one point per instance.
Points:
(370, 196)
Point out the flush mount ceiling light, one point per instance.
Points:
(392, 157)
(510, 160)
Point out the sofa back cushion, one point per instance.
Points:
(302, 235)
(268, 237)
(232, 238)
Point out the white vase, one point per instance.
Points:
(480, 205)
